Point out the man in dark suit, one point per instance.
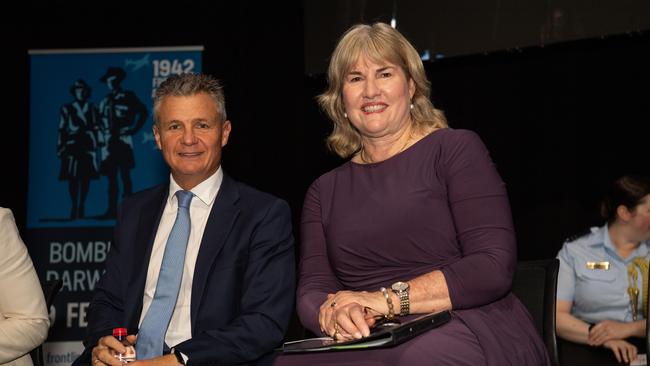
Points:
(236, 295)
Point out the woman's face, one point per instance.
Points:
(640, 218)
(377, 98)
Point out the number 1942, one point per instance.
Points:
(166, 67)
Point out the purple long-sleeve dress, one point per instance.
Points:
(439, 205)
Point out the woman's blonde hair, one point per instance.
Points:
(380, 43)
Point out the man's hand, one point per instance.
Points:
(623, 350)
(107, 347)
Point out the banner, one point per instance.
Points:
(90, 144)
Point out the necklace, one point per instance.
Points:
(362, 154)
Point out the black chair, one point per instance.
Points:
(535, 284)
(50, 289)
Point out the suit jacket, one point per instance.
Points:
(244, 279)
(23, 314)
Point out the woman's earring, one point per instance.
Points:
(412, 106)
(345, 114)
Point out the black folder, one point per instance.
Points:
(387, 336)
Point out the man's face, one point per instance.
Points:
(112, 82)
(190, 135)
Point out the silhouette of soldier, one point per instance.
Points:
(123, 114)
(77, 144)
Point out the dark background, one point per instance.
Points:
(463, 27)
(562, 119)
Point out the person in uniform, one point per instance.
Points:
(123, 114)
(601, 299)
(77, 144)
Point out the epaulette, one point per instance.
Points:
(580, 234)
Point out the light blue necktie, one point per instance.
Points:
(151, 336)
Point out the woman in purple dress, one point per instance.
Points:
(417, 218)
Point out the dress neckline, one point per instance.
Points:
(401, 153)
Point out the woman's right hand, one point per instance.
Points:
(623, 350)
(351, 321)
(348, 310)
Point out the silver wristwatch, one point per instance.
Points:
(401, 289)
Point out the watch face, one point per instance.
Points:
(400, 286)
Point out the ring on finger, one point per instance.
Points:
(336, 336)
(333, 304)
(337, 331)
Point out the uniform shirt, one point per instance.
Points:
(179, 329)
(598, 294)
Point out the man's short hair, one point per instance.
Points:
(188, 84)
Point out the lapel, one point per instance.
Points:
(145, 235)
(221, 220)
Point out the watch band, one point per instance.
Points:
(401, 289)
(404, 303)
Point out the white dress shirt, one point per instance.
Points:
(179, 329)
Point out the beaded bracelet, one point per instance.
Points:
(389, 301)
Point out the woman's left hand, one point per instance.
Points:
(608, 330)
(348, 310)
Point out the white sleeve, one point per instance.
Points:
(566, 279)
(23, 315)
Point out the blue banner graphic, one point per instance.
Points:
(90, 144)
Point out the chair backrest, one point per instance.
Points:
(535, 284)
(50, 289)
